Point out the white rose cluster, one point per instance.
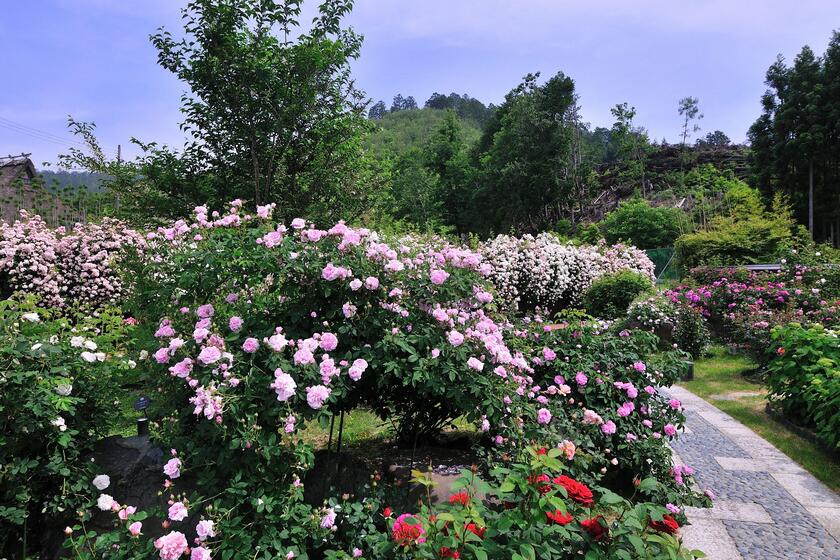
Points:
(543, 272)
(62, 267)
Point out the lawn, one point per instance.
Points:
(723, 380)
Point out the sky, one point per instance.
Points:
(92, 59)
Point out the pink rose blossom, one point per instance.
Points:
(178, 511)
(172, 546)
(135, 528)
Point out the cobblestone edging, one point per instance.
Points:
(766, 506)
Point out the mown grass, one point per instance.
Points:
(720, 375)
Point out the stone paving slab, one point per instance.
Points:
(767, 506)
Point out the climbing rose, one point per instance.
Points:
(171, 546)
(235, 323)
(101, 482)
(455, 338)
(135, 528)
(250, 345)
(357, 369)
(172, 468)
(475, 364)
(178, 511)
(328, 520)
(105, 502)
(204, 530)
(438, 276)
(200, 553)
(543, 416)
(608, 427)
(329, 342)
(316, 395)
(283, 385)
(209, 355)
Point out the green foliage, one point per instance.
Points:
(590, 234)
(610, 296)
(746, 234)
(522, 158)
(640, 224)
(690, 331)
(55, 396)
(803, 378)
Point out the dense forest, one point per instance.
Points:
(455, 164)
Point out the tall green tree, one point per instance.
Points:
(795, 145)
(271, 110)
(523, 155)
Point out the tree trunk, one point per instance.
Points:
(811, 197)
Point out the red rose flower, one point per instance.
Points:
(386, 512)
(542, 451)
(475, 530)
(667, 525)
(595, 527)
(557, 517)
(576, 491)
(448, 553)
(461, 498)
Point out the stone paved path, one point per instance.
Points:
(766, 506)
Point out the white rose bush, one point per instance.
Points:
(543, 272)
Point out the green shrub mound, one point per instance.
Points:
(610, 296)
(803, 379)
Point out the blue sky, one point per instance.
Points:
(92, 59)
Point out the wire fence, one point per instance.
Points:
(664, 266)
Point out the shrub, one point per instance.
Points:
(645, 226)
(690, 332)
(65, 269)
(747, 235)
(611, 295)
(803, 378)
(544, 273)
(57, 380)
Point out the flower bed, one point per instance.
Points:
(252, 328)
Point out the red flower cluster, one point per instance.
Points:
(577, 491)
(557, 517)
(595, 527)
(461, 498)
(667, 525)
(446, 552)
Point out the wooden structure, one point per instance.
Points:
(21, 189)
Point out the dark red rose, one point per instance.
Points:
(595, 527)
(557, 517)
(542, 451)
(386, 512)
(475, 530)
(667, 525)
(449, 553)
(577, 491)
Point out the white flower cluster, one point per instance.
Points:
(541, 271)
(652, 312)
(63, 268)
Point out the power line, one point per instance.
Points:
(47, 136)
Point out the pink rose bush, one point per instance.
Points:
(306, 323)
(65, 268)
